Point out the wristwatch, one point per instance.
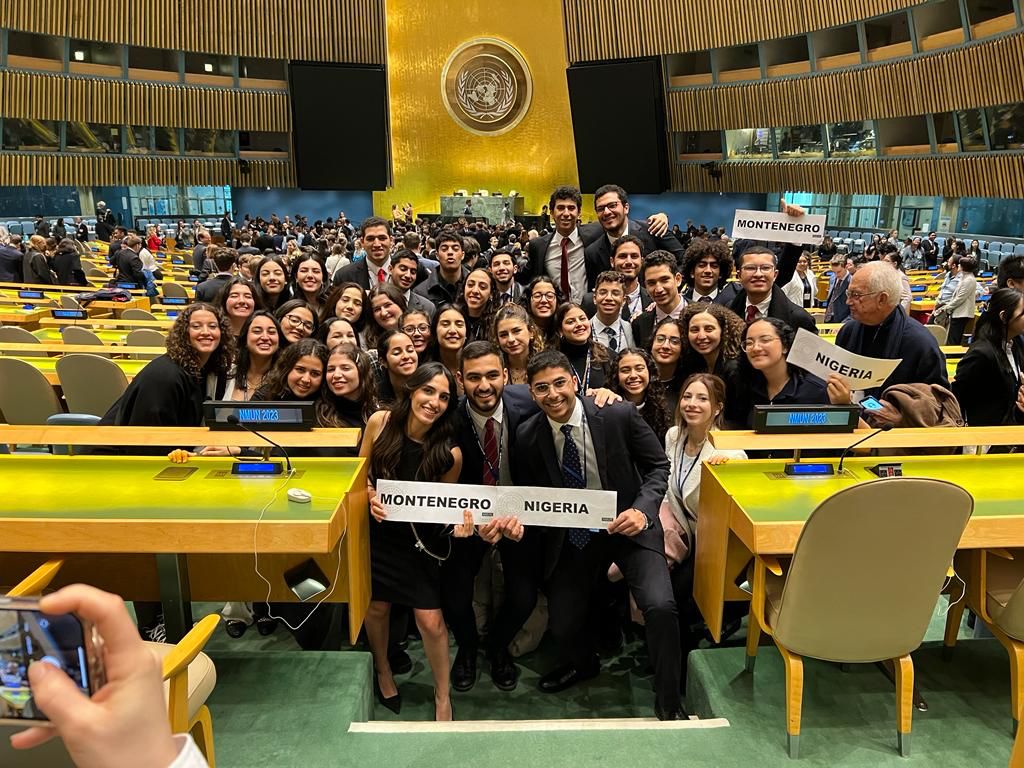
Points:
(649, 524)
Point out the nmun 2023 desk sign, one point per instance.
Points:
(445, 502)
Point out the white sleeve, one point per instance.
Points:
(189, 755)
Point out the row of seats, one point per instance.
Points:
(28, 226)
(73, 334)
(91, 384)
(992, 251)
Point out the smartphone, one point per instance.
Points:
(27, 636)
(871, 404)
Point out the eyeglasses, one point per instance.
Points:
(416, 329)
(297, 322)
(549, 296)
(607, 207)
(543, 388)
(751, 269)
(854, 296)
(760, 341)
(672, 341)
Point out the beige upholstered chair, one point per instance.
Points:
(91, 383)
(938, 332)
(137, 314)
(145, 337)
(994, 590)
(174, 290)
(862, 585)
(13, 334)
(74, 334)
(26, 397)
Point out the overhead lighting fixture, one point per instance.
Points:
(79, 55)
(208, 67)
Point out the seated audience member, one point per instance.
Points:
(403, 272)
(960, 308)
(415, 323)
(635, 377)
(259, 343)
(836, 308)
(768, 378)
(503, 266)
(271, 283)
(335, 331)
(518, 339)
(608, 327)
(880, 328)
(661, 278)
(449, 332)
(225, 260)
(396, 362)
(237, 302)
(666, 351)
(892, 257)
(67, 264)
(385, 306)
(444, 285)
(307, 280)
(688, 444)
(713, 343)
(565, 436)
(707, 267)
(298, 321)
(125, 724)
(477, 302)
(540, 299)
(802, 290)
(590, 361)
(988, 380)
(759, 271)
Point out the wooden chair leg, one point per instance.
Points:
(1015, 651)
(202, 732)
(954, 617)
(753, 639)
(794, 699)
(904, 670)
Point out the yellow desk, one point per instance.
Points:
(95, 323)
(751, 507)
(29, 319)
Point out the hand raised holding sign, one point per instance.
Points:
(791, 210)
(466, 528)
(511, 528)
(376, 507)
(491, 533)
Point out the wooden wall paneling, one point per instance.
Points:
(103, 20)
(157, 24)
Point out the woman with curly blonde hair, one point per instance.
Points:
(518, 338)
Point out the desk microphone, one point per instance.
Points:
(847, 450)
(234, 421)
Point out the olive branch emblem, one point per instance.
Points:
(506, 97)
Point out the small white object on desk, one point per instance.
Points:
(299, 496)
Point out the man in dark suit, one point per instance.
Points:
(11, 259)
(488, 417)
(760, 269)
(836, 308)
(561, 255)
(116, 241)
(627, 260)
(503, 267)
(612, 206)
(128, 264)
(225, 260)
(444, 284)
(199, 252)
(663, 282)
(402, 275)
(707, 267)
(375, 233)
(573, 444)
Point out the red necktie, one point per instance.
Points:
(382, 276)
(565, 269)
(490, 454)
(752, 314)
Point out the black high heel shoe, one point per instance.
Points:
(393, 703)
(235, 627)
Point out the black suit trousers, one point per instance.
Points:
(573, 582)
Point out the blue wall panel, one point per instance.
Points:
(288, 202)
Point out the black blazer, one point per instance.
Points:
(359, 272)
(599, 252)
(588, 305)
(780, 308)
(518, 406)
(836, 308)
(986, 386)
(210, 288)
(630, 458)
(726, 294)
(537, 249)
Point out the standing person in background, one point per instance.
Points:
(836, 308)
(802, 290)
(11, 259)
(68, 264)
(34, 264)
(225, 259)
(892, 257)
(961, 305)
(81, 230)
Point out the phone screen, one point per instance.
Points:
(32, 636)
(871, 404)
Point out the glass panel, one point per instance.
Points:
(263, 69)
(700, 143)
(31, 135)
(208, 64)
(1006, 126)
(137, 140)
(800, 142)
(748, 144)
(167, 141)
(972, 137)
(153, 59)
(26, 44)
(93, 137)
(96, 53)
(200, 141)
(855, 139)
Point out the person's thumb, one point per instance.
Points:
(55, 693)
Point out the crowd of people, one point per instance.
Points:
(600, 356)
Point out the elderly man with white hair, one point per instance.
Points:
(879, 328)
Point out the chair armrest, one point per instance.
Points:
(190, 646)
(1000, 552)
(38, 580)
(771, 563)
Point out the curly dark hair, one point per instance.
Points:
(482, 324)
(275, 384)
(266, 300)
(395, 296)
(244, 359)
(655, 406)
(699, 250)
(181, 351)
(730, 324)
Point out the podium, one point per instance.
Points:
(490, 208)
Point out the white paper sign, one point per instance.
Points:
(763, 225)
(444, 503)
(819, 357)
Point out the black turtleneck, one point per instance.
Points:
(578, 357)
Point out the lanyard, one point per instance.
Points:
(595, 336)
(494, 470)
(582, 384)
(681, 478)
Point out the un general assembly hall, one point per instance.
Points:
(558, 383)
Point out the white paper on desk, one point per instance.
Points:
(765, 225)
(819, 357)
(444, 502)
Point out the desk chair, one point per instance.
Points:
(174, 291)
(189, 679)
(96, 272)
(853, 596)
(137, 314)
(14, 334)
(91, 383)
(75, 334)
(938, 332)
(994, 590)
(145, 337)
(26, 397)
(34, 584)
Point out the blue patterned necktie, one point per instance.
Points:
(572, 474)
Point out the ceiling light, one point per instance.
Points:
(79, 55)
(208, 67)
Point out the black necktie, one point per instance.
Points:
(704, 300)
(613, 339)
(572, 475)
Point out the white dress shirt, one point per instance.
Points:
(622, 330)
(762, 307)
(697, 295)
(577, 264)
(633, 301)
(372, 270)
(584, 444)
(480, 425)
(659, 315)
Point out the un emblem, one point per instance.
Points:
(486, 86)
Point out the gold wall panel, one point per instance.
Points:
(315, 30)
(613, 29)
(431, 154)
(982, 74)
(989, 175)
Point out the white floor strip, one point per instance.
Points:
(512, 726)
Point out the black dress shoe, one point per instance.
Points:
(400, 662)
(266, 625)
(675, 713)
(393, 703)
(464, 670)
(235, 627)
(566, 677)
(504, 672)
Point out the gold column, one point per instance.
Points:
(433, 155)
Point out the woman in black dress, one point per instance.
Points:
(412, 442)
